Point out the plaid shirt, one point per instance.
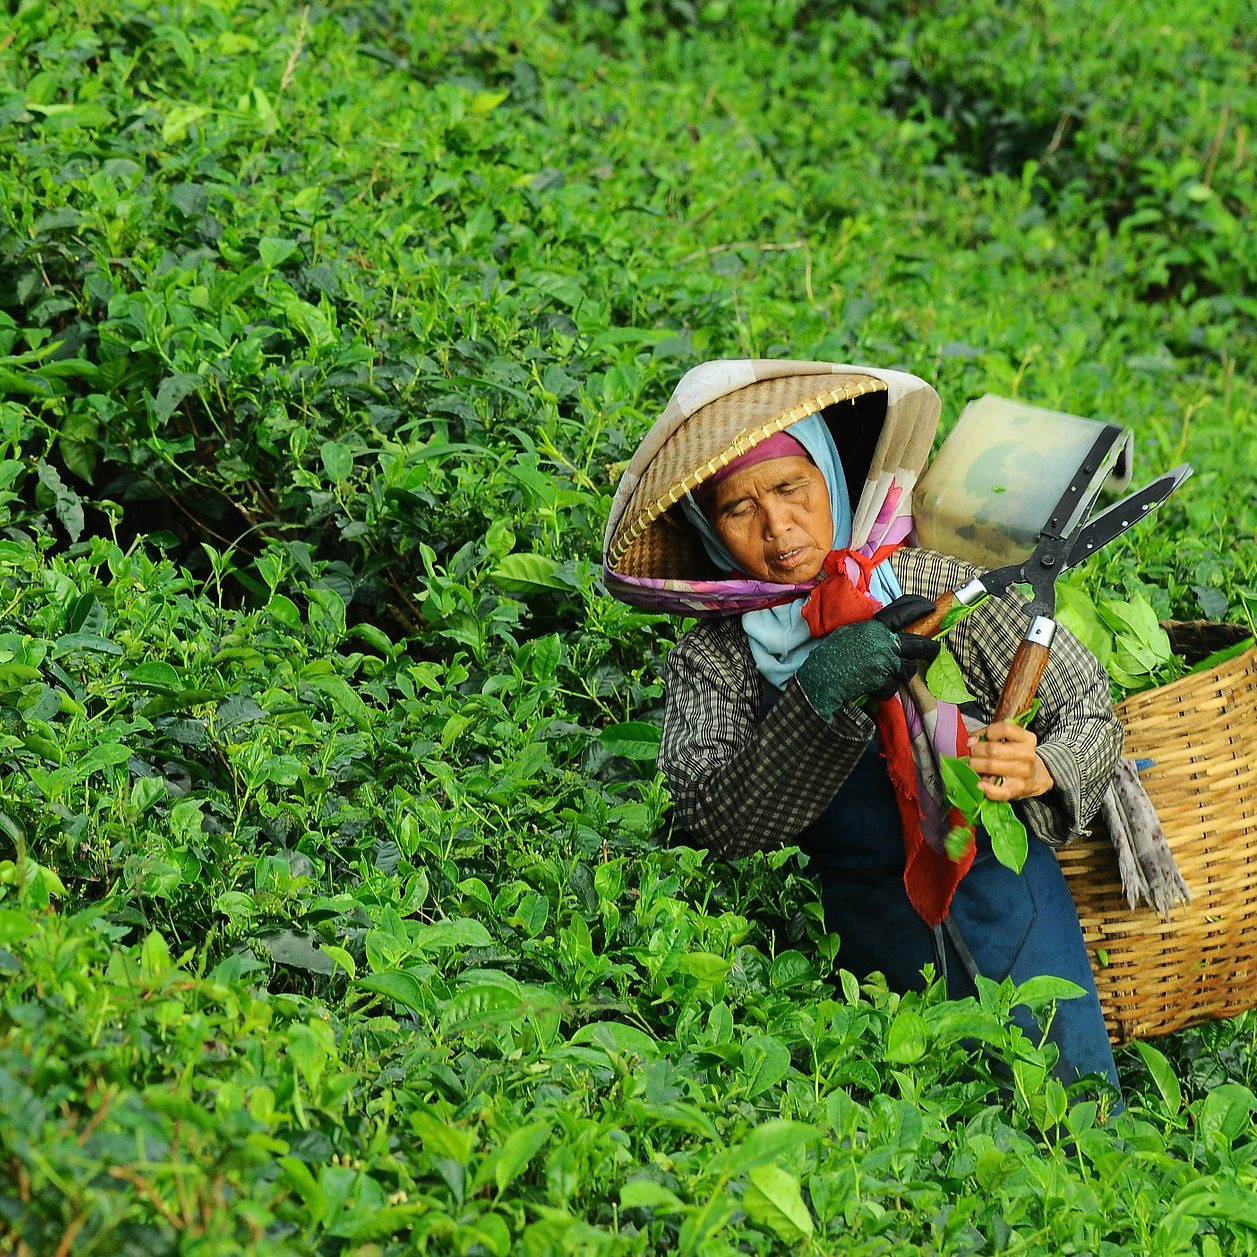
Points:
(744, 781)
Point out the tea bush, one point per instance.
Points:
(338, 909)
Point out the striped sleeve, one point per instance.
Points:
(739, 783)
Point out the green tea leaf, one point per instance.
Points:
(642, 1193)
(274, 250)
(954, 1023)
(338, 461)
(446, 1139)
(958, 842)
(14, 926)
(68, 643)
(1212, 602)
(520, 1148)
(342, 959)
(106, 755)
(531, 914)
(482, 1005)
(633, 739)
(944, 680)
(459, 932)
(1044, 988)
(957, 612)
(1225, 1113)
(171, 392)
(154, 674)
(165, 703)
(1077, 613)
(179, 119)
(1008, 835)
(1135, 655)
(615, 1036)
(1214, 1200)
(67, 503)
(791, 968)
(362, 1225)
(1025, 718)
(709, 969)
(767, 1144)
(528, 574)
(1137, 619)
(402, 988)
(765, 1062)
(374, 637)
(298, 951)
(15, 675)
(907, 1039)
(343, 696)
(1163, 1075)
(963, 785)
(773, 1198)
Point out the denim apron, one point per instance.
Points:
(1001, 924)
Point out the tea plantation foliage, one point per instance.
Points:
(338, 911)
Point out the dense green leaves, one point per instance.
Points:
(1125, 636)
(337, 908)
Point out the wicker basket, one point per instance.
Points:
(1153, 976)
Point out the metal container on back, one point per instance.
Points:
(991, 490)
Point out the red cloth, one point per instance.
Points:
(930, 875)
(837, 599)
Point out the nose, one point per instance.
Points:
(776, 518)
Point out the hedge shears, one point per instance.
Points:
(1067, 538)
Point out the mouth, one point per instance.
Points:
(789, 559)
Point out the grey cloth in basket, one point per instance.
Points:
(1144, 860)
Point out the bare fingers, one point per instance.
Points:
(1004, 757)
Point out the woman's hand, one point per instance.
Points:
(870, 657)
(1007, 751)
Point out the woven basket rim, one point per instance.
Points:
(1175, 689)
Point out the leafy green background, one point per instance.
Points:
(337, 913)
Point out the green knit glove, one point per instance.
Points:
(870, 657)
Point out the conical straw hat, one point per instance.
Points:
(882, 421)
(647, 541)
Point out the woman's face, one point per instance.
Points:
(775, 520)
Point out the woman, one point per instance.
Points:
(797, 713)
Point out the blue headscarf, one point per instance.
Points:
(779, 636)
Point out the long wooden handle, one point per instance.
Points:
(1023, 680)
(1028, 663)
(927, 625)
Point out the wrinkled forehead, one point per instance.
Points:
(764, 478)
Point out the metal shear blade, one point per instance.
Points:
(1056, 554)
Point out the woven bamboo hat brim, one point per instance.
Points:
(647, 541)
